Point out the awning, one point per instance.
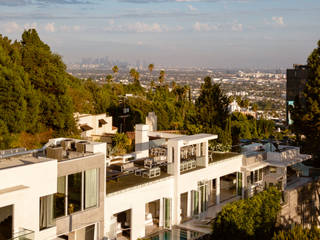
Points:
(102, 121)
(85, 127)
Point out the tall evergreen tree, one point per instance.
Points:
(306, 116)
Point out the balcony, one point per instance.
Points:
(23, 234)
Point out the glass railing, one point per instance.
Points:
(23, 234)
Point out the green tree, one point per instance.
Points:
(109, 78)
(253, 218)
(162, 77)
(115, 70)
(150, 68)
(299, 233)
(306, 116)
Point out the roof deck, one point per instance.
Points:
(131, 181)
(20, 160)
(220, 156)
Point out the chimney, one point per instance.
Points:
(142, 140)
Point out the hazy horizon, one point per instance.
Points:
(186, 33)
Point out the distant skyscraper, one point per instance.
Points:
(296, 82)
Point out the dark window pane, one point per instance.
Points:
(74, 193)
(60, 198)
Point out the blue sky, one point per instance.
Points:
(207, 33)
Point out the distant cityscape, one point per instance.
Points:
(266, 88)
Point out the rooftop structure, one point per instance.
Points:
(94, 127)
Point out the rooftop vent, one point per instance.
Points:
(54, 152)
(81, 146)
(68, 144)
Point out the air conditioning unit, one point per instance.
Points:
(67, 144)
(54, 153)
(81, 146)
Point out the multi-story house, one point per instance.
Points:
(69, 190)
(56, 192)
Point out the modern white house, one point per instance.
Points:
(172, 180)
(56, 192)
(69, 189)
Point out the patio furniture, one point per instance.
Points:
(152, 172)
(128, 167)
(139, 171)
(148, 220)
(187, 165)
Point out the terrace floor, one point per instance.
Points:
(130, 181)
(219, 156)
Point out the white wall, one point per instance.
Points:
(39, 180)
(136, 200)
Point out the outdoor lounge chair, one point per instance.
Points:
(152, 172)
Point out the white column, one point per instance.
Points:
(189, 204)
(198, 150)
(161, 213)
(205, 152)
(138, 221)
(218, 190)
(142, 140)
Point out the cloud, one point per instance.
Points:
(278, 21)
(30, 25)
(204, 27)
(14, 3)
(11, 27)
(191, 8)
(65, 28)
(137, 27)
(163, 1)
(237, 27)
(50, 27)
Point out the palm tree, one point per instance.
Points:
(136, 77)
(150, 67)
(132, 73)
(109, 78)
(161, 77)
(115, 70)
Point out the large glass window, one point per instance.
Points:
(74, 192)
(195, 202)
(60, 198)
(46, 212)
(6, 223)
(91, 188)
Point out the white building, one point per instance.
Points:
(168, 184)
(56, 192)
(94, 127)
(69, 190)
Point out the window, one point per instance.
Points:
(167, 212)
(74, 192)
(46, 212)
(60, 198)
(195, 202)
(90, 188)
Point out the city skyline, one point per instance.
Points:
(228, 34)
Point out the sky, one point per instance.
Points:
(182, 33)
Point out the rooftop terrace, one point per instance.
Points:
(131, 181)
(220, 156)
(20, 160)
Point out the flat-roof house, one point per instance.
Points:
(94, 127)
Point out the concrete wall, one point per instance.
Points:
(90, 216)
(34, 181)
